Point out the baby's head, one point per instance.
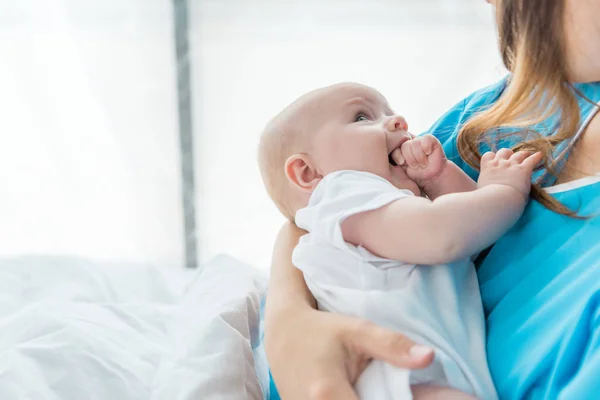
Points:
(347, 126)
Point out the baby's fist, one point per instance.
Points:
(423, 157)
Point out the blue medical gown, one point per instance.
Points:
(540, 287)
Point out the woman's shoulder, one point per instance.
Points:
(461, 111)
(588, 95)
(447, 127)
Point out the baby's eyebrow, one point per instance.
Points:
(388, 110)
(360, 100)
(369, 102)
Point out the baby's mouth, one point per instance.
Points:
(391, 160)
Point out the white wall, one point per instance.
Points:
(88, 125)
(88, 134)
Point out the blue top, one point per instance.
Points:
(540, 283)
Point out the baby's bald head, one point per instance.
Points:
(289, 133)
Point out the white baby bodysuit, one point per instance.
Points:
(439, 306)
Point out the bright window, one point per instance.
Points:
(89, 154)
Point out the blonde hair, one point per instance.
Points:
(530, 35)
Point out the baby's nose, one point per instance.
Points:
(397, 123)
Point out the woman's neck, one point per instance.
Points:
(583, 160)
(582, 40)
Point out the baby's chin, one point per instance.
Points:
(407, 184)
(417, 191)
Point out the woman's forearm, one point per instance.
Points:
(287, 289)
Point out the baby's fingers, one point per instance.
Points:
(419, 151)
(504, 154)
(408, 155)
(397, 157)
(520, 156)
(428, 143)
(532, 161)
(488, 157)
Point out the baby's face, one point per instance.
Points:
(357, 130)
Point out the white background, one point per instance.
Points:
(89, 151)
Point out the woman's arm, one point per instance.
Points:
(286, 287)
(319, 355)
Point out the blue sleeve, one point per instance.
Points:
(447, 127)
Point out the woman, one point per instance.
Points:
(540, 283)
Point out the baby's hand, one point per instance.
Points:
(508, 168)
(423, 157)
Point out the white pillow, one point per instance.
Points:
(215, 329)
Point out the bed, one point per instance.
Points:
(80, 329)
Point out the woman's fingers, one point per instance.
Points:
(391, 347)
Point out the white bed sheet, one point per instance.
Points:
(76, 329)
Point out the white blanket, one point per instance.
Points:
(74, 329)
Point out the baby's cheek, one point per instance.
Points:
(352, 152)
(349, 155)
(325, 157)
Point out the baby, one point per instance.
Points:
(393, 226)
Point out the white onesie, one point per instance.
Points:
(439, 306)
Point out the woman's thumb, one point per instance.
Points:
(392, 347)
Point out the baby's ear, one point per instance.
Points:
(301, 172)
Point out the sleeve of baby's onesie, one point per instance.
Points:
(340, 195)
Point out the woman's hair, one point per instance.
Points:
(530, 36)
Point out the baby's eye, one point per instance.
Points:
(361, 117)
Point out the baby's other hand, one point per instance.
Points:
(508, 168)
(423, 157)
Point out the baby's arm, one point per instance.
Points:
(417, 230)
(452, 179)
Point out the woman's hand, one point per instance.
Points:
(318, 355)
